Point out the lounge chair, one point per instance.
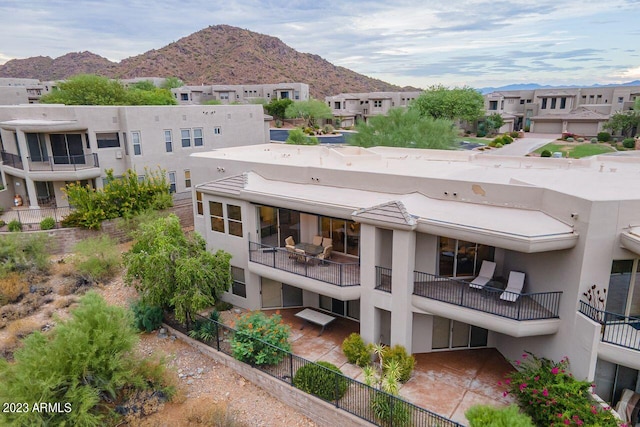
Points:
(514, 286)
(317, 240)
(290, 244)
(486, 274)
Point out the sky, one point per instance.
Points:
(478, 43)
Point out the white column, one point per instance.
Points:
(403, 265)
(368, 325)
(32, 193)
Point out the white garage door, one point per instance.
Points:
(547, 127)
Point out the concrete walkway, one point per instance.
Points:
(523, 146)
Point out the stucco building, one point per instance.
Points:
(351, 107)
(241, 94)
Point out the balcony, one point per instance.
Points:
(617, 329)
(65, 163)
(12, 160)
(341, 274)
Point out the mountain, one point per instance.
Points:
(534, 86)
(218, 54)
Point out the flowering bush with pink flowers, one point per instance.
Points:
(551, 396)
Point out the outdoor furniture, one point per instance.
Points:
(290, 245)
(326, 253)
(327, 241)
(315, 317)
(300, 255)
(514, 286)
(317, 240)
(309, 248)
(486, 274)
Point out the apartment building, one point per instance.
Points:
(409, 230)
(351, 107)
(14, 91)
(43, 147)
(582, 111)
(241, 94)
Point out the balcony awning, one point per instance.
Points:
(39, 125)
(631, 239)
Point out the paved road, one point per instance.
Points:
(522, 147)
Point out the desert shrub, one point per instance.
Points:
(48, 223)
(223, 305)
(2, 223)
(146, 317)
(298, 137)
(391, 411)
(594, 140)
(506, 139)
(356, 350)
(20, 328)
(570, 139)
(327, 129)
(545, 153)
(499, 145)
(580, 139)
(604, 136)
(322, 379)
(260, 340)
(214, 414)
(12, 288)
(489, 416)
(547, 392)
(629, 143)
(406, 362)
(205, 330)
(278, 123)
(24, 253)
(527, 128)
(514, 134)
(481, 134)
(96, 259)
(388, 409)
(493, 143)
(15, 226)
(85, 362)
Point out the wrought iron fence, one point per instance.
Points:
(64, 163)
(324, 270)
(383, 279)
(526, 306)
(34, 216)
(617, 329)
(358, 398)
(10, 159)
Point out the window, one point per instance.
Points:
(529, 101)
(493, 105)
(67, 148)
(522, 102)
(217, 220)
(336, 105)
(185, 136)
(199, 204)
(184, 96)
(563, 102)
(187, 178)
(135, 139)
(197, 137)
(296, 94)
(37, 147)
(377, 103)
(86, 141)
(234, 220)
(168, 141)
(217, 130)
(108, 139)
(553, 103)
(544, 103)
(172, 182)
(620, 100)
(459, 258)
(239, 287)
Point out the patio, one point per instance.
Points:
(447, 383)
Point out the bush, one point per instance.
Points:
(205, 330)
(223, 305)
(545, 153)
(96, 259)
(48, 223)
(15, 226)
(499, 145)
(321, 379)
(604, 136)
(146, 317)
(390, 410)
(327, 129)
(481, 134)
(406, 362)
(514, 134)
(356, 350)
(547, 392)
(629, 143)
(24, 253)
(569, 139)
(298, 137)
(278, 123)
(2, 223)
(12, 288)
(506, 139)
(527, 128)
(580, 139)
(86, 362)
(489, 416)
(260, 340)
(594, 140)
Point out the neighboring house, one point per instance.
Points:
(409, 230)
(351, 107)
(43, 147)
(241, 94)
(15, 91)
(582, 111)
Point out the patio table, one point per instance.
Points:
(316, 317)
(310, 248)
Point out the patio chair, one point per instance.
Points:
(326, 253)
(486, 274)
(317, 240)
(300, 255)
(326, 241)
(514, 286)
(290, 245)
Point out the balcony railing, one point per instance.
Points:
(336, 273)
(383, 279)
(617, 329)
(10, 159)
(65, 163)
(532, 306)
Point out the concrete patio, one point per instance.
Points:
(447, 383)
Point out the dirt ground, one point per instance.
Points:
(208, 393)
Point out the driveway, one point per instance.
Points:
(523, 146)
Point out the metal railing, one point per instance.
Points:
(65, 163)
(34, 216)
(10, 159)
(526, 306)
(617, 329)
(335, 273)
(383, 279)
(349, 395)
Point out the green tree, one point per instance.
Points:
(624, 122)
(457, 104)
(493, 122)
(405, 128)
(172, 83)
(277, 107)
(175, 270)
(143, 85)
(87, 89)
(298, 137)
(311, 111)
(153, 96)
(212, 102)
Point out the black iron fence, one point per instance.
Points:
(324, 270)
(10, 159)
(349, 395)
(517, 306)
(383, 279)
(35, 216)
(618, 329)
(64, 163)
